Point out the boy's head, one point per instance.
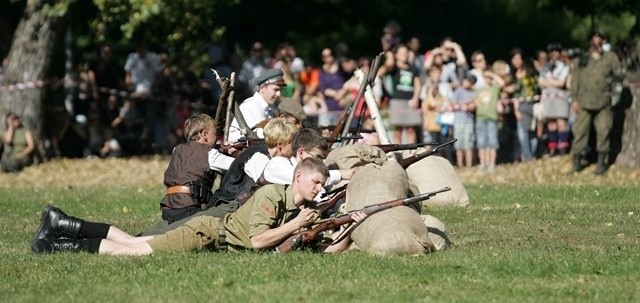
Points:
(469, 81)
(278, 133)
(309, 143)
(200, 128)
(291, 110)
(434, 73)
(308, 178)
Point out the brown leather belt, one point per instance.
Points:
(178, 189)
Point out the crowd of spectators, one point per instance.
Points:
(494, 109)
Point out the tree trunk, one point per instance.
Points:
(29, 59)
(630, 154)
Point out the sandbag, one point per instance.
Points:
(433, 173)
(355, 155)
(437, 232)
(396, 231)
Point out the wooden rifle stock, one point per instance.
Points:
(240, 145)
(417, 157)
(396, 147)
(298, 239)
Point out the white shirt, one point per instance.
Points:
(256, 165)
(253, 111)
(279, 170)
(143, 70)
(219, 161)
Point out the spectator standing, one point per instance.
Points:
(434, 105)
(479, 63)
(18, 145)
(416, 57)
(141, 71)
(541, 60)
(106, 75)
(402, 84)
(524, 87)
(463, 107)
(592, 79)
(330, 81)
(253, 67)
(455, 62)
(488, 108)
(555, 101)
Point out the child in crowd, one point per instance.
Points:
(487, 109)
(463, 107)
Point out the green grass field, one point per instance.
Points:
(512, 244)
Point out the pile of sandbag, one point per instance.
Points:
(433, 173)
(397, 231)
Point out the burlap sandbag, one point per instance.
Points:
(355, 155)
(433, 173)
(396, 231)
(437, 232)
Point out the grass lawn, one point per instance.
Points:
(512, 244)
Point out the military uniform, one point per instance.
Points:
(591, 88)
(270, 207)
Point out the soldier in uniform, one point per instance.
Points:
(272, 215)
(591, 80)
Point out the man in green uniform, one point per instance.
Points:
(591, 80)
(269, 217)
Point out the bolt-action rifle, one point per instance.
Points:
(417, 157)
(297, 240)
(396, 147)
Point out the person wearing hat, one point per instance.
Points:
(19, 144)
(591, 82)
(555, 100)
(290, 111)
(258, 107)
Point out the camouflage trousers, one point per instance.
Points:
(602, 121)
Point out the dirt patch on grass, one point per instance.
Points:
(149, 171)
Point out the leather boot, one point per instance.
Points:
(577, 163)
(45, 245)
(601, 165)
(54, 223)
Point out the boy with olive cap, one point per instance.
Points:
(258, 107)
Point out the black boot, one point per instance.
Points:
(601, 166)
(58, 245)
(577, 163)
(54, 223)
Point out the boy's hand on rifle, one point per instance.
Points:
(304, 218)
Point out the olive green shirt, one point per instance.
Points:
(270, 207)
(592, 79)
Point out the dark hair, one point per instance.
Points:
(308, 139)
(554, 47)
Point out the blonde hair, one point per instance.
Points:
(278, 131)
(195, 125)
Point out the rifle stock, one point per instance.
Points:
(417, 157)
(240, 145)
(298, 239)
